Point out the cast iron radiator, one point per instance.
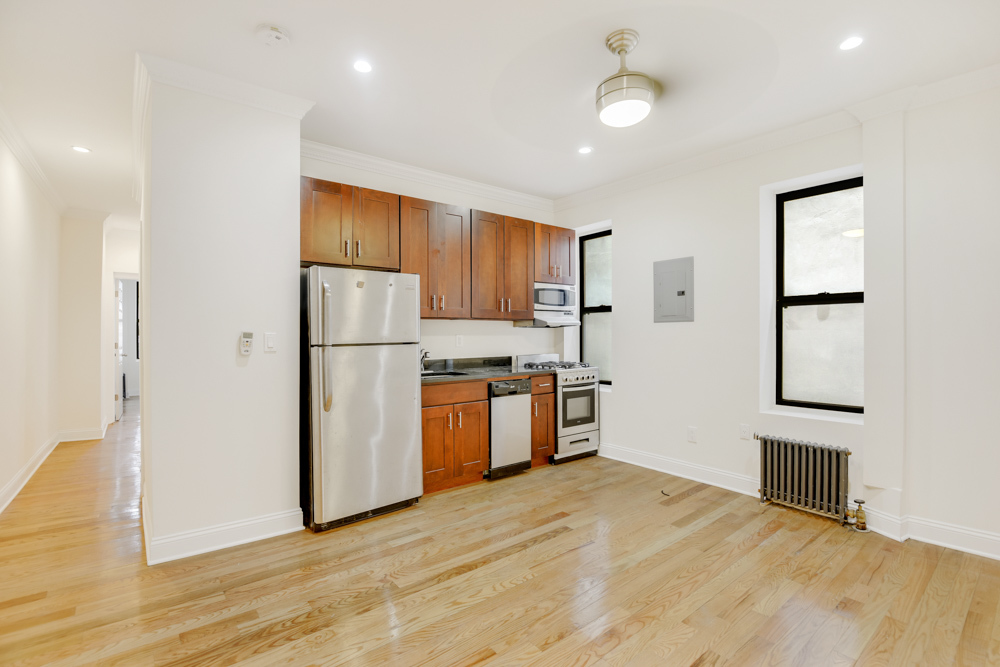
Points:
(804, 475)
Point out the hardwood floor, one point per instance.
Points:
(582, 564)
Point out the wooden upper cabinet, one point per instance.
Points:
(454, 262)
(555, 259)
(565, 256)
(376, 229)
(519, 268)
(419, 248)
(327, 218)
(487, 266)
(437, 244)
(348, 226)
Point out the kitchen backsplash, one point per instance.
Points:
(484, 338)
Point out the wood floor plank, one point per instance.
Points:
(596, 562)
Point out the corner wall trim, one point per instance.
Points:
(970, 540)
(222, 536)
(693, 471)
(14, 486)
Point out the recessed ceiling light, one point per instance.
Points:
(585, 150)
(81, 149)
(851, 43)
(854, 233)
(363, 66)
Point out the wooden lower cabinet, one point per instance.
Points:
(543, 428)
(456, 444)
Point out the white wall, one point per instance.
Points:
(29, 274)
(220, 256)
(932, 274)
(121, 255)
(130, 362)
(480, 338)
(79, 392)
(705, 373)
(952, 320)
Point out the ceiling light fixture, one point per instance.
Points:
(854, 233)
(81, 149)
(624, 98)
(362, 66)
(585, 150)
(851, 43)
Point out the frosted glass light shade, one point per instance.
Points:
(625, 98)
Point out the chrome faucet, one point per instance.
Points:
(424, 354)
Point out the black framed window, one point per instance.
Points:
(820, 297)
(595, 302)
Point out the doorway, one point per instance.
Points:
(127, 371)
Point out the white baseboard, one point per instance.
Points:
(971, 540)
(693, 471)
(14, 486)
(83, 434)
(900, 529)
(222, 536)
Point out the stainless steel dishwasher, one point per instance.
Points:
(510, 427)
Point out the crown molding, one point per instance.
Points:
(171, 73)
(883, 105)
(970, 83)
(377, 165)
(19, 147)
(142, 87)
(760, 144)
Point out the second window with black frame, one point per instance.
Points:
(820, 297)
(595, 302)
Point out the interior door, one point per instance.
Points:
(119, 349)
(519, 268)
(327, 214)
(487, 266)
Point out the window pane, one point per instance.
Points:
(823, 355)
(597, 342)
(597, 271)
(818, 257)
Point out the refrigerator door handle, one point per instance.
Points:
(325, 381)
(327, 313)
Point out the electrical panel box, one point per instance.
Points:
(673, 290)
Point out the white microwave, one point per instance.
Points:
(555, 297)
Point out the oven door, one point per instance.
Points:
(577, 409)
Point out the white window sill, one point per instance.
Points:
(821, 415)
(604, 388)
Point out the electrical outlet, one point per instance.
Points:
(459, 341)
(744, 431)
(692, 434)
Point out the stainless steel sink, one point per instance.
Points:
(434, 374)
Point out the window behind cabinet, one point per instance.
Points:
(595, 302)
(820, 297)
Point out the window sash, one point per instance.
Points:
(583, 286)
(782, 301)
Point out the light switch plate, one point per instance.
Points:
(692, 434)
(744, 431)
(459, 341)
(270, 342)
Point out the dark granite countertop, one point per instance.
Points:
(474, 369)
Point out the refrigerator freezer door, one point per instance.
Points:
(351, 307)
(366, 448)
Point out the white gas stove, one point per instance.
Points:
(577, 407)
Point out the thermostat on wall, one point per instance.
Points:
(246, 342)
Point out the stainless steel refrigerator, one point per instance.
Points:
(362, 455)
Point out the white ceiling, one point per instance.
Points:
(498, 92)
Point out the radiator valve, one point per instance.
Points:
(861, 524)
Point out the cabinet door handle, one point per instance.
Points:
(442, 308)
(547, 384)
(434, 301)
(508, 305)
(501, 305)
(359, 248)
(449, 420)
(536, 408)
(558, 271)
(347, 247)
(460, 420)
